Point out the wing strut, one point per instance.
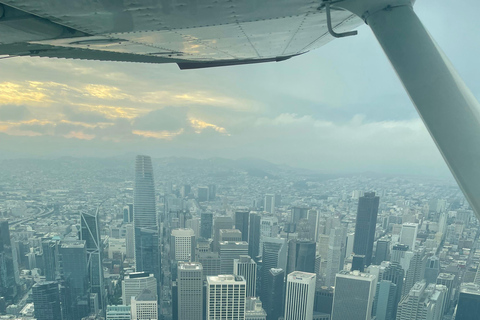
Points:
(447, 107)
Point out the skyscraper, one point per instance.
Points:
(354, 294)
(244, 266)
(73, 259)
(221, 222)
(468, 307)
(144, 306)
(226, 297)
(323, 300)
(8, 282)
(268, 228)
(301, 256)
(230, 235)
(365, 225)
(230, 250)
(269, 203)
(385, 299)
(254, 309)
(182, 245)
(46, 300)
(190, 291)
(448, 280)
(144, 210)
(206, 224)
(147, 257)
(90, 232)
(210, 262)
(334, 255)
(202, 194)
(274, 256)
(254, 235)
(241, 223)
(300, 296)
(50, 263)
(415, 270)
(382, 252)
(273, 283)
(408, 234)
(432, 269)
(298, 213)
(423, 302)
(134, 283)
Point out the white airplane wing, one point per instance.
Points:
(192, 33)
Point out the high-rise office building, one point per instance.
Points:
(144, 306)
(358, 262)
(274, 256)
(90, 232)
(211, 263)
(212, 192)
(273, 284)
(382, 251)
(254, 235)
(313, 224)
(334, 255)
(301, 256)
(182, 245)
(147, 257)
(268, 228)
(230, 250)
(298, 213)
(468, 307)
(134, 283)
(120, 312)
(226, 297)
(398, 252)
(74, 271)
(245, 266)
(448, 280)
(408, 234)
(365, 225)
(221, 222)
(128, 213)
(230, 235)
(50, 263)
(323, 300)
(385, 299)
(415, 270)
(241, 223)
(269, 203)
(300, 296)
(254, 309)
(8, 267)
(190, 291)
(202, 194)
(46, 301)
(206, 224)
(354, 295)
(432, 269)
(144, 210)
(423, 302)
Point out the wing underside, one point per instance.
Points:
(192, 33)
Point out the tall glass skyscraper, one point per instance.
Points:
(147, 257)
(365, 225)
(8, 282)
(46, 300)
(90, 232)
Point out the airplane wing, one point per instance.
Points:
(192, 33)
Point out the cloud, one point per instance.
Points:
(14, 113)
(166, 119)
(80, 114)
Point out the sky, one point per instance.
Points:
(339, 108)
